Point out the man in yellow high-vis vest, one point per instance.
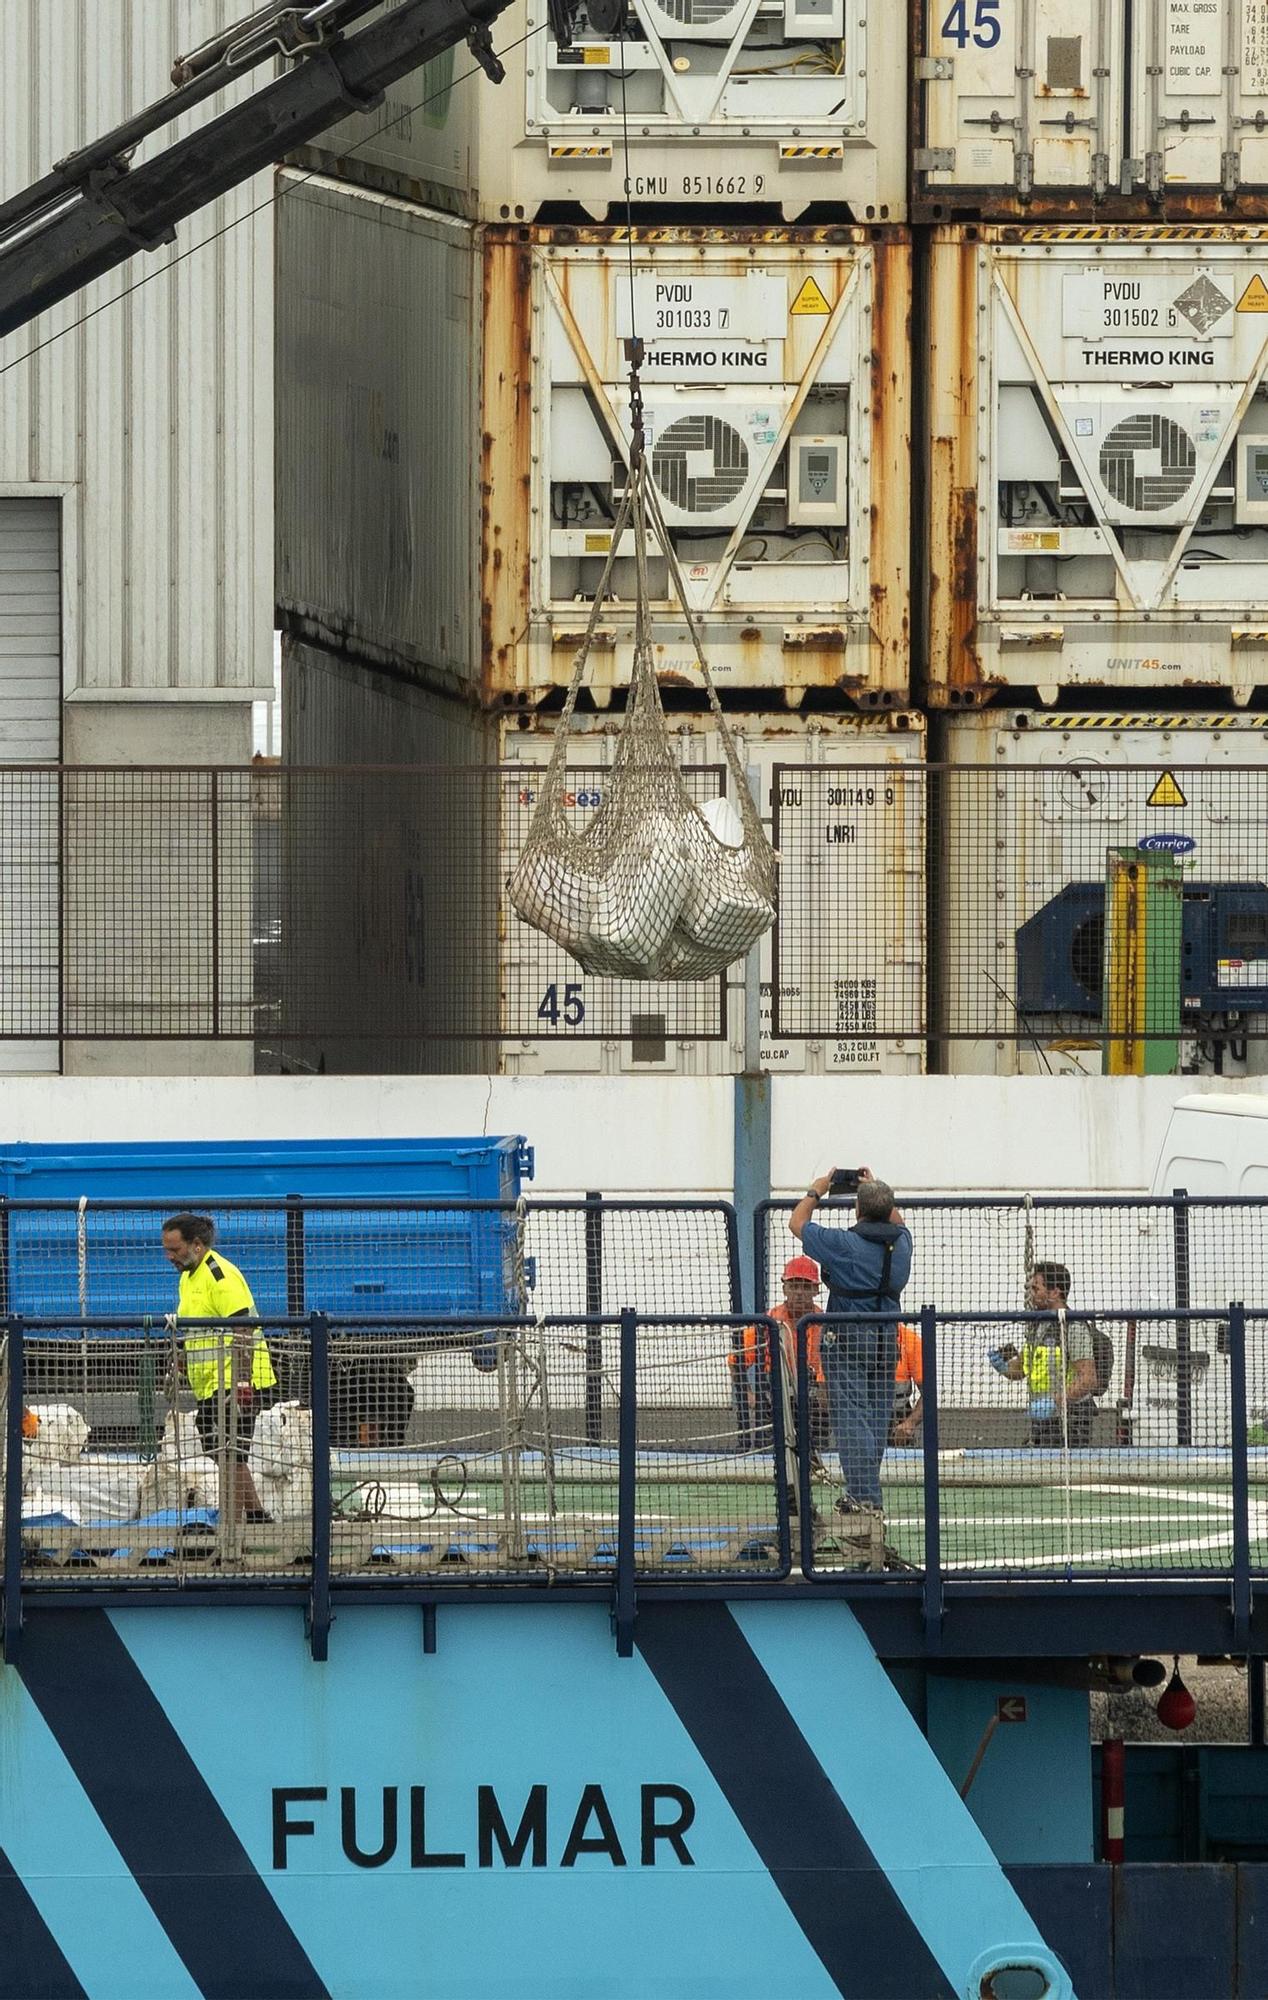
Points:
(221, 1368)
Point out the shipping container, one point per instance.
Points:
(1048, 108)
(378, 414)
(1098, 479)
(765, 106)
(1020, 826)
(848, 952)
(776, 397)
(380, 912)
(139, 410)
(776, 407)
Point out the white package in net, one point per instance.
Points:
(553, 895)
(638, 903)
(724, 910)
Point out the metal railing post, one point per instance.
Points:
(1184, 1397)
(627, 1446)
(594, 1311)
(215, 903)
(929, 1446)
(296, 1291)
(1241, 1476)
(805, 1497)
(12, 1590)
(784, 1486)
(319, 1599)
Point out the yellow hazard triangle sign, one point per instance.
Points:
(809, 300)
(1166, 792)
(1255, 297)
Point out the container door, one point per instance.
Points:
(30, 735)
(1021, 94)
(1200, 95)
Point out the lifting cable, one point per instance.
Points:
(656, 885)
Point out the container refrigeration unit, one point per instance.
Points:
(776, 411)
(1098, 491)
(850, 939)
(1027, 810)
(768, 106)
(1050, 108)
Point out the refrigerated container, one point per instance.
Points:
(1098, 476)
(764, 106)
(842, 975)
(1042, 109)
(453, 442)
(1021, 822)
(775, 399)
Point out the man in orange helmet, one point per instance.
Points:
(801, 1296)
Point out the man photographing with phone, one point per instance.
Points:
(865, 1268)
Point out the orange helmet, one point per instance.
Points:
(802, 1267)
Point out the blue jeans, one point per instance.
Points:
(858, 1368)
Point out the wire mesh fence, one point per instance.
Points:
(465, 1452)
(515, 1450)
(358, 918)
(977, 1252)
(1032, 1473)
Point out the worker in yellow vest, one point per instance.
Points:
(224, 1370)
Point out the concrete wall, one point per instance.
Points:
(671, 1135)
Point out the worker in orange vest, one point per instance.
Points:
(909, 1406)
(801, 1296)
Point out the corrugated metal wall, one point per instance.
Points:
(378, 359)
(388, 886)
(154, 419)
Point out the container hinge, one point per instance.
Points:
(1025, 173)
(526, 1161)
(934, 159)
(1231, 172)
(1100, 175)
(935, 69)
(1129, 172)
(1153, 172)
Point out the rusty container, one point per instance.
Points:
(1097, 484)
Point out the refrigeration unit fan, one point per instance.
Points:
(706, 459)
(693, 20)
(1144, 458)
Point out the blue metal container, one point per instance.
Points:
(382, 1253)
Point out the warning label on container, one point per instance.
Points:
(1255, 297)
(1192, 62)
(1166, 792)
(809, 300)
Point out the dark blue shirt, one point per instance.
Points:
(853, 1260)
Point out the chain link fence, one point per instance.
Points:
(357, 918)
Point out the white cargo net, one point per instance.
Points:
(655, 886)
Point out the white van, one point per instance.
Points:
(1216, 1144)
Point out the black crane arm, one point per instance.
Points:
(94, 210)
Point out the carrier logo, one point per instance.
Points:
(374, 1826)
(756, 359)
(1135, 663)
(1166, 843)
